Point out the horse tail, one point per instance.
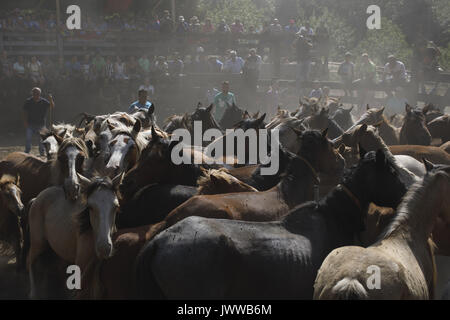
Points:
(349, 289)
(146, 285)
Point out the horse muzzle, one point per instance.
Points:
(104, 250)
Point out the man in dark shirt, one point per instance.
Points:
(302, 46)
(34, 114)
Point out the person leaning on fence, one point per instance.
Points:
(34, 114)
(367, 72)
(347, 73)
(234, 64)
(302, 46)
(223, 100)
(251, 70)
(141, 103)
(394, 75)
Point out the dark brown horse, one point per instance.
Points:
(414, 130)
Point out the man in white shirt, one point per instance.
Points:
(234, 64)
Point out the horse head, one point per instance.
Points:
(414, 129)
(10, 194)
(102, 205)
(71, 155)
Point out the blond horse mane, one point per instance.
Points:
(215, 181)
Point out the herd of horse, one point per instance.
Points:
(349, 194)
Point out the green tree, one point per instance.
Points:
(388, 40)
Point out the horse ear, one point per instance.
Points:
(362, 152)
(362, 129)
(428, 165)
(18, 179)
(199, 105)
(209, 109)
(137, 127)
(408, 108)
(381, 110)
(151, 110)
(341, 149)
(117, 180)
(325, 133)
(172, 145)
(367, 107)
(155, 135)
(351, 108)
(380, 158)
(256, 115)
(260, 120)
(84, 182)
(58, 138)
(245, 115)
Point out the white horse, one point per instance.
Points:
(77, 231)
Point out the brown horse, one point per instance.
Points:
(11, 211)
(434, 154)
(36, 175)
(74, 230)
(403, 255)
(321, 120)
(414, 130)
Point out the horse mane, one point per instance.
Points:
(139, 138)
(82, 218)
(7, 178)
(412, 198)
(213, 179)
(76, 142)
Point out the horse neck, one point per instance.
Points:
(343, 215)
(414, 218)
(298, 188)
(53, 170)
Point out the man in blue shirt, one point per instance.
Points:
(141, 103)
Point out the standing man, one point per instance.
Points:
(34, 114)
(223, 100)
(141, 103)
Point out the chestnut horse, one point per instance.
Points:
(403, 254)
(200, 258)
(36, 175)
(74, 230)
